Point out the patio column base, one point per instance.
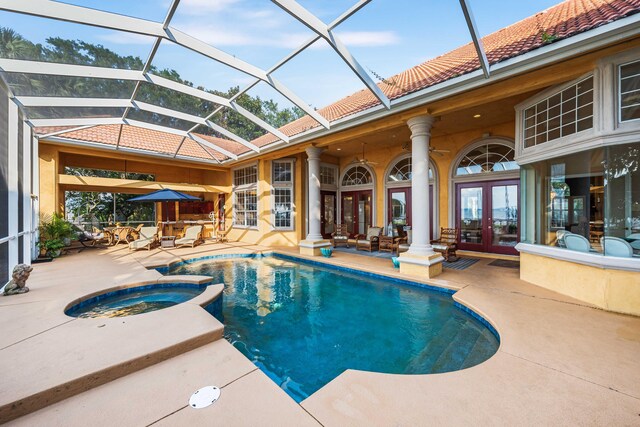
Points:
(312, 248)
(422, 266)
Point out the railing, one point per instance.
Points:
(88, 226)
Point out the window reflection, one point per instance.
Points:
(591, 196)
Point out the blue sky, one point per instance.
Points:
(386, 37)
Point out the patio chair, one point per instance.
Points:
(370, 241)
(221, 235)
(615, 246)
(447, 244)
(90, 239)
(340, 236)
(192, 235)
(147, 237)
(577, 242)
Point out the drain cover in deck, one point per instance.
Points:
(204, 397)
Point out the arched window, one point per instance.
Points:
(357, 175)
(401, 171)
(487, 158)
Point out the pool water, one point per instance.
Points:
(303, 325)
(131, 301)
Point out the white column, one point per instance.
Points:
(35, 185)
(26, 192)
(420, 135)
(12, 130)
(313, 154)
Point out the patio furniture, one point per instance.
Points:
(615, 246)
(221, 235)
(386, 244)
(560, 238)
(340, 236)
(576, 242)
(168, 241)
(192, 235)
(147, 237)
(370, 241)
(447, 244)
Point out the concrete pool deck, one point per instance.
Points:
(559, 362)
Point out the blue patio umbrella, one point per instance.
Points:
(166, 195)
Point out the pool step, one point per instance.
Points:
(484, 345)
(453, 357)
(424, 361)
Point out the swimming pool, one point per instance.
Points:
(135, 300)
(304, 324)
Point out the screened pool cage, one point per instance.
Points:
(51, 96)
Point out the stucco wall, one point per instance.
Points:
(614, 290)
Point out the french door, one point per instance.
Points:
(356, 211)
(399, 207)
(487, 216)
(327, 213)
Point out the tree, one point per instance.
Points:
(13, 45)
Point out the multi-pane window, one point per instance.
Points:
(327, 175)
(357, 175)
(630, 91)
(487, 158)
(245, 192)
(282, 182)
(564, 113)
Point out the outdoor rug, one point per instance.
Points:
(461, 264)
(505, 263)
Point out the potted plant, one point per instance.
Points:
(54, 230)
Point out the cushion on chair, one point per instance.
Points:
(373, 232)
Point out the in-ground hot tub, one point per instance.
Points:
(135, 300)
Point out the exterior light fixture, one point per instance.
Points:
(477, 116)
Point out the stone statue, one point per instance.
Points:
(17, 284)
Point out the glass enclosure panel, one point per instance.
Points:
(593, 194)
(160, 120)
(72, 112)
(622, 198)
(504, 215)
(76, 87)
(471, 215)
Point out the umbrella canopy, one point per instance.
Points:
(166, 195)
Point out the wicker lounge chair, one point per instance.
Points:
(447, 244)
(148, 236)
(192, 235)
(369, 242)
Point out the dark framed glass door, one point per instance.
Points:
(487, 216)
(356, 211)
(399, 207)
(327, 213)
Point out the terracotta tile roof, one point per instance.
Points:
(44, 130)
(564, 20)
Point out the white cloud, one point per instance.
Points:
(121, 37)
(369, 38)
(219, 36)
(199, 7)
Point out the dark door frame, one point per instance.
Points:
(356, 197)
(335, 209)
(486, 245)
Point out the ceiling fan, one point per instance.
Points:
(407, 146)
(363, 160)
